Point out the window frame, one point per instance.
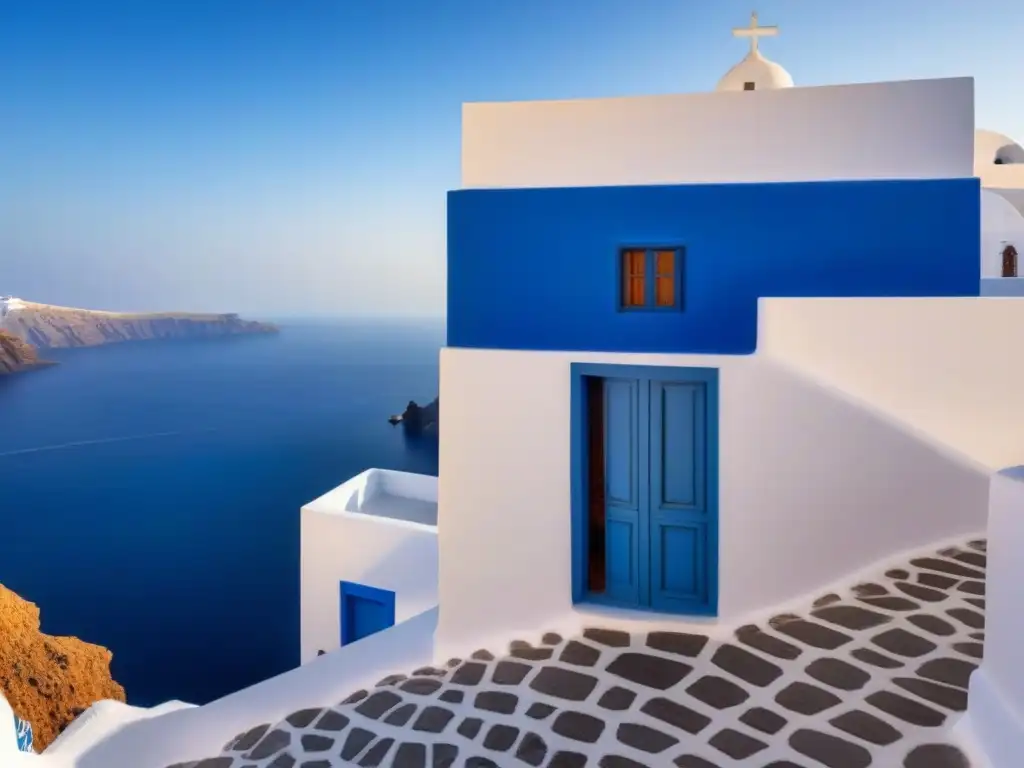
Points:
(650, 272)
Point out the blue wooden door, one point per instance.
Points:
(660, 493)
(364, 611)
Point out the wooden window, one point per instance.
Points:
(1009, 261)
(651, 278)
(748, 86)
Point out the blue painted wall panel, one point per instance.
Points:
(537, 268)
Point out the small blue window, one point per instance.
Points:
(651, 278)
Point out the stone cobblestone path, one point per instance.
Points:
(870, 678)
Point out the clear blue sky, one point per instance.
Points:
(292, 156)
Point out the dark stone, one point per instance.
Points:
(248, 740)
(428, 672)
(518, 645)
(828, 599)
(979, 636)
(444, 756)
(374, 757)
(470, 673)
(932, 624)
(851, 616)
(979, 544)
(974, 650)
(745, 665)
(379, 703)
(539, 711)
(613, 638)
(470, 727)
(680, 643)
(579, 654)
(753, 636)
(532, 654)
(500, 738)
(943, 695)
(481, 762)
(651, 671)
(564, 683)
(903, 643)
(391, 680)
(972, 587)
(935, 580)
(357, 696)
(869, 590)
(452, 696)
(578, 726)
(453, 663)
(927, 594)
(817, 635)
(866, 726)
(482, 655)
(302, 718)
(977, 602)
(735, 744)
(838, 674)
(693, 761)
(891, 603)
(898, 573)
(312, 764)
(358, 739)
(433, 719)
(718, 692)
(281, 761)
(421, 686)
(565, 759)
(806, 699)
(829, 750)
(273, 742)
(875, 659)
(944, 566)
(551, 638)
(906, 709)
(497, 701)
(617, 699)
(676, 714)
(331, 721)
(312, 742)
(410, 755)
(783, 764)
(510, 672)
(618, 761)
(936, 756)
(972, 619)
(763, 720)
(949, 671)
(645, 739)
(401, 715)
(532, 750)
(971, 558)
(212, 762)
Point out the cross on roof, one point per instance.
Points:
(754, 32)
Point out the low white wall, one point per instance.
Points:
(910, 130)
(376, 551)
(811, 487)
(200, 732)
(995, 704)
(951, 368)
(1001, 224)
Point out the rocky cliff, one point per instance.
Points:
(46, 326)
(48, 681)
(419, 419)
(16, 355)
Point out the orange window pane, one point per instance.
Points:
(633, 285)
(665, 263)
(635, 263)
(664, 291)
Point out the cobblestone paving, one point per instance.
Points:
(871, 678)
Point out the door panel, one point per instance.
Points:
(622, 488)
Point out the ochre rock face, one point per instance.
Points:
(48, 681)
(15, 354)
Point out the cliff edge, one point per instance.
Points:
(419, 419)
(48, 681)
(16, 355)
(46, 326)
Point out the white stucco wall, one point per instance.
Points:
(811, 488)
(910, 129)
(996, 697)
(950, 367)
(1001, 223)
(339, 545)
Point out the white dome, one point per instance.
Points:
(755, 68)
(991, 148)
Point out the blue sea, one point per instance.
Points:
(150, 492)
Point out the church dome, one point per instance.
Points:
(991, 148)
(755, 73)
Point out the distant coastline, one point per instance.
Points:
(419, 419)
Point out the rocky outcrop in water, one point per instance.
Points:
(46, 326)
(419, 419)
(47, 680)
(16, 355)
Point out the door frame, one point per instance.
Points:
(350, 589)
(579, 467)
